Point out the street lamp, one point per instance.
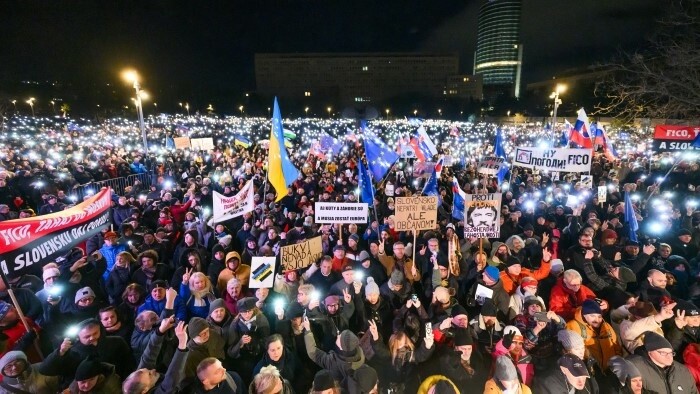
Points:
(53, 107)
(329, 112)
(132, 77)
(306, 110)
(439, 112)
(14, 104)
(415, 112)
(387, 113)
(187, 108)
(560, 88)
(31, 104)
(241, 109)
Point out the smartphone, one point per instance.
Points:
(414, 297)
(428, 329)
(541, 317)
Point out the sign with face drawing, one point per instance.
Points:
(482, 215)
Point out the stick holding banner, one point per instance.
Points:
(20, 313)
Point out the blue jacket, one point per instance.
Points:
(110, 254)
(193, 310)
(159, 306)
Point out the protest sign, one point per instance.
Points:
(415, 213)
(490, 165)
(554, 159)
(302, 254)
(181, 142)
(572, 201)
(226, 208)
(423, 169)
(602, 193)
(202, 143)
(482, 215)
(673, 138)
(26, 243)
(448, 160)
(262, 272)
(340, 212)
(587, 181)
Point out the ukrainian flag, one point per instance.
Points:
(281, 171)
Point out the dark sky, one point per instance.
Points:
(208, 46)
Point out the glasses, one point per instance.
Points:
(666, 354)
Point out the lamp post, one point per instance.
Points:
(241, 109)
(329, 112)
(306, 110)
(14, 105)
(53, 107)
(387, 113)
(31, 104)
(132, 77)
(560, 88)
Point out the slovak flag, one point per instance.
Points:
(458, 199)
(431, 187)
(602, 140)
(422, 145)
(579, 133)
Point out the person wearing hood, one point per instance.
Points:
(662, 374)
(150, 270)
(183, 250)
(234, 269)
(110, 250)
(489, 283)
(93, 376)
(286, 362)
(511, 346)
(204, 342)
(91, 341)
(252, 327)
(514, 272)
(624, 379)
(217, 263)
(114, 324)
(251, 250)
(505, 379)
(18, 375)
(369, 266)
(499, 255)
(341, 363)
(571, 377)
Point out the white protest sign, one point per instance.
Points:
(262, 272)
(482, 215)
(340, 212)
(415, 213)
(490, 165)
(587, 181)
(602, 194)
(202, 143)
(554, 159)
(483, 292)
(226, 208)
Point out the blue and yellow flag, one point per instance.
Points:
(281, 172)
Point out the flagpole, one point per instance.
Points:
(656, 186)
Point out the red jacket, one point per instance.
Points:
(178, 212)
(564, 302)
(691, 359)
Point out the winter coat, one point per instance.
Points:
(493, 387)
(601, 344)
(170, 381)
(681, 338)
(162, 273)
(499, 297)
(288, 364)
(242, 273)
(117, 281)
(512, 282)
(214, 347)
(259, 330)
(110, 255)
(543, 344)
(340, 366)
(516, 303)
(631, 332)
(106, 384)
(390, 263)
(196, 306)
(564, 302)
(691, 359)
(675, 379)
(554, 382)
(158, 307)
(524, 365)
(486, 337)
(31, 381)
(431, 381)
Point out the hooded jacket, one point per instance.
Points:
(524, 365)
(337, 364)
(31, 380)
(601, 344)
(564, 302)
(242, 273)
(554, 382)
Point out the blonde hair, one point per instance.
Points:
(207, 285)
(128, 257)
(395, 344)
(266, 380)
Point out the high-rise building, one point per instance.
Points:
(499, 52)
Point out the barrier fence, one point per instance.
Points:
(119, 185)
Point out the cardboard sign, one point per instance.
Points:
(301, 255)
(554, 159)
(587, 181)
(181, 142)
(226, 208)
(415, 213)
(490, 165)
(602, 193)
(482, 215)
(202, 143)
(340, 212)
(262, 272)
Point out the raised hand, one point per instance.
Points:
(589, 255)
(170, 294)
(166, 324)
(346, 296)
(186, 275)
(648, 250)
(546, 255)
(181, 334)
(545, 239)
(373, 330)
(422, 250)
(680, 319)
(65, 346)
(306, 324)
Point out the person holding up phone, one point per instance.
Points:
(539, 328)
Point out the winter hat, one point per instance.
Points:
(216, 304)
(14, 355)
(462, 336)
(246, 304)
(4, 308)
(556, 266)
(366, 378)
(530, 300)
(84, 293)
(294, 310)
(626, 275)
(590, 307)
(332, 300)
(505, 369)
(623, 369)
(688, 307)
(50, 273)
(354, 237)
(654, 341)
(91, 367)
(217, 248)
(458, 310)
(160, 283)
(349, 342)
(196, 326)
(609, 234)
(489, 308)
(493, 273)
(510, 329)
(570, 339)
(323, 381)
(363, 256)
(528, 227)
(397, 278)
(371, 287)
(225, 241)
(299, 222)
(528, 281)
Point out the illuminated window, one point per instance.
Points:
(307, 94)
(365, 68)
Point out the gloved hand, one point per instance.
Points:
(25, 341)
(508, 340)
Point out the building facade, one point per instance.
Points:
(499, 52)
(351, 78)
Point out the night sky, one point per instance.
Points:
(206, 47)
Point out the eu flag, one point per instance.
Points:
(380, 157)
(366, 187)
(630, 218)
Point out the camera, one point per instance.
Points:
(541, 317)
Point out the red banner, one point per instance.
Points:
(678, 133)
(26, 243)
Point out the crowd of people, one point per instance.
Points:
(568, 299)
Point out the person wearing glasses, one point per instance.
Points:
(662, 374)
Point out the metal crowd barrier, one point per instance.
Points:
(119, 185)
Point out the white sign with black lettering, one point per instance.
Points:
(554, 159)
(340, 212)
(482, 215)
(490, 165)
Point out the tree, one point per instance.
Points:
(664, 80)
